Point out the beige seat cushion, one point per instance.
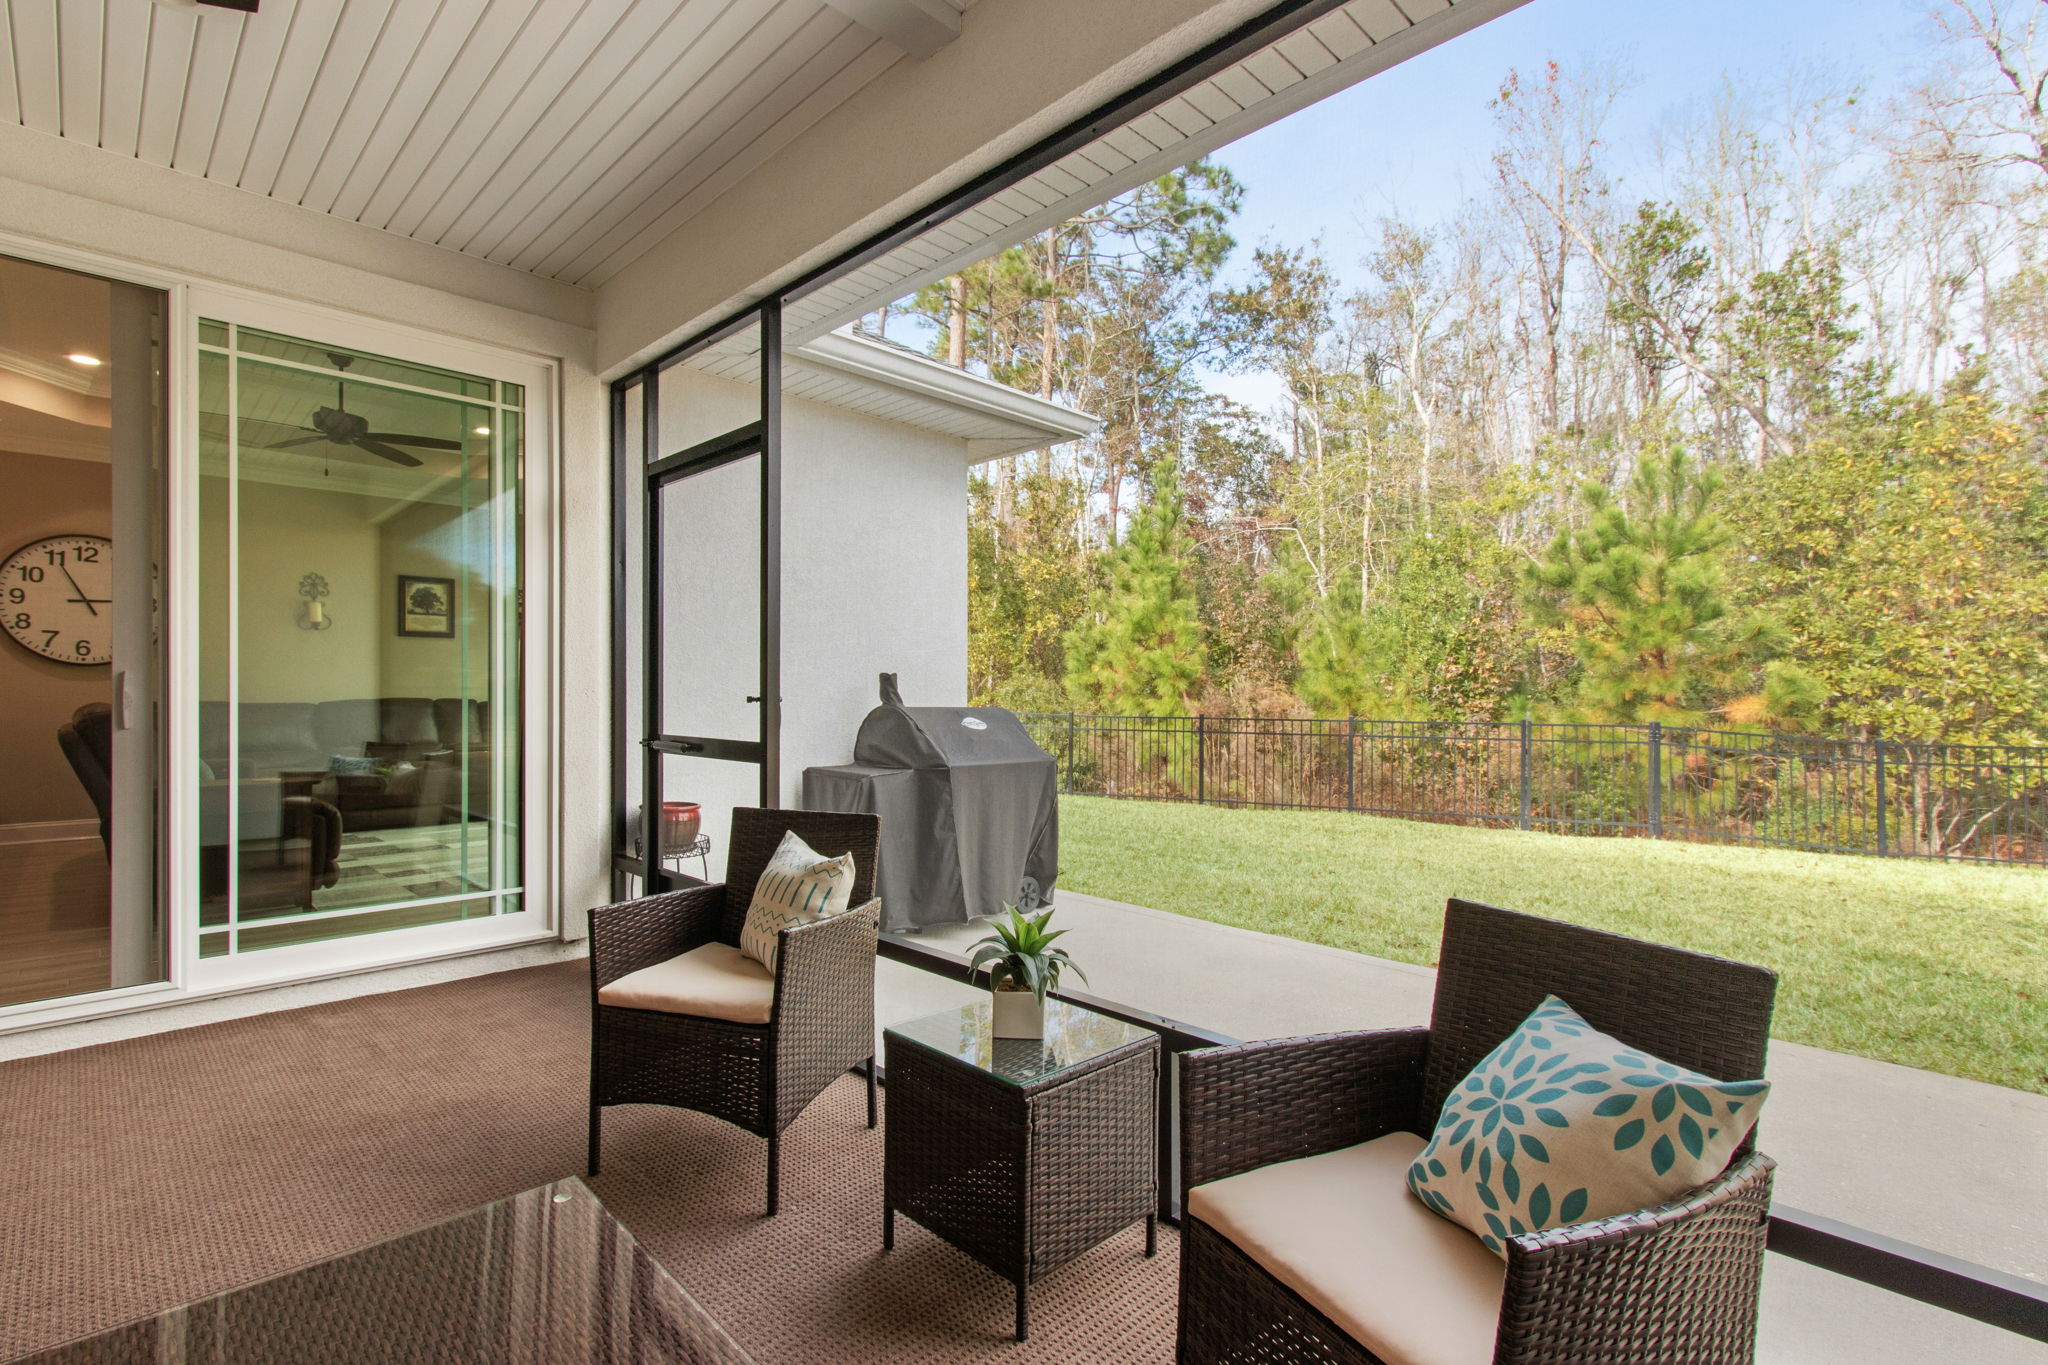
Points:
(1342, 1231)
(711, 982)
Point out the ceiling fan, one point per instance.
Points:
(338, 426)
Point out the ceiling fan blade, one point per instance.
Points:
(300, 441)
(391, 453)
(423, 442)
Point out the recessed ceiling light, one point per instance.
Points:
(483, 431)
(81, 358)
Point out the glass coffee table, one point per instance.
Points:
(1022, 1152)
(547, 1277)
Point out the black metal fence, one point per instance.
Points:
(1893, 798)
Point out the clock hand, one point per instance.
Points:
(80, 591)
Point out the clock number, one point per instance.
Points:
(81, 648)
(16, 595)
(56, 558)
(22, 621)
(31, 573)
(49, 638)
(88, 554)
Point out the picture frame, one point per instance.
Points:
(426, 606)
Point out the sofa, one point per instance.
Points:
(383, 762)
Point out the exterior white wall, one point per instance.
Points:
(161, 223)
(874, 580)
(874, 576)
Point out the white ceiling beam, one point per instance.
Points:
(919, 27)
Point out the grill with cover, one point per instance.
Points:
(969, 806)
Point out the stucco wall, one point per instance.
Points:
(874, 580)
(874, 576)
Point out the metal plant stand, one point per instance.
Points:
(1023, 1153)
(700, 849)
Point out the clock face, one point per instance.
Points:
(57, 598)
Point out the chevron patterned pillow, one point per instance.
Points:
(799, 886)
(1562, 1123)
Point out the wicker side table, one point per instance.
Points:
(1020, 1152)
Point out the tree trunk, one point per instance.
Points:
(1049, 323)
(956, 325)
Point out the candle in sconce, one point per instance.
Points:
(315, 614)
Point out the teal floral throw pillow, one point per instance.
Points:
(1562, 1123)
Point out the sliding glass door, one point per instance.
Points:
(81, 540)
(360, 690)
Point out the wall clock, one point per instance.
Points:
(57, 598)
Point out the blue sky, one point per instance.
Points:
(1417, 138)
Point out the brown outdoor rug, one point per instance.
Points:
(144, 1173)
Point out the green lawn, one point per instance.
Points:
(1924, 964)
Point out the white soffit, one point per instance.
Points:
(559, 137)
(859, 373)
(1335, 51)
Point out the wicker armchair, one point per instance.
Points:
(1677, 1283)
(759, 1077)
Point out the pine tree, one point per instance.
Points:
(1141, 649)
(1644, 586)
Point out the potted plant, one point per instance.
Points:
(1023, 967)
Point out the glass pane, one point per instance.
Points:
(361, 690)
(512, 395)
(632, 636)
(212, 333)
(715, 788)
(710, 625)
(290, 932)
(81, 526)
(216, 658)
(360, 364)
(711, 393)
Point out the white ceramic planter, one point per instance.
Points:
(1018, 1015)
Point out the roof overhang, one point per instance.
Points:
(993, 419)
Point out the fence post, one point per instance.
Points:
(1068, 784)
(1656, 779)
(1883, 841)
(1351, 763)
(1523, 823)
(1201, 761)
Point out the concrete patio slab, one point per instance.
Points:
(1950, 1164)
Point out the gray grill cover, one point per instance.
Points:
(969, 806)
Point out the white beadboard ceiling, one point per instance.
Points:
(1340, 49)
(560, 137)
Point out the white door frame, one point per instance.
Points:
(189, 977)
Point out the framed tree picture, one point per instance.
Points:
(426, 606)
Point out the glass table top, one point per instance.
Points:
(1073, 1035)
(547, 1277)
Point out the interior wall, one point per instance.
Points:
(286, 533)
(46, 496)
(436, 541)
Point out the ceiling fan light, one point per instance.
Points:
(92, 362)
(483, 431)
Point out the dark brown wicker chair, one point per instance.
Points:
(759, 1077)
(1677, 1283)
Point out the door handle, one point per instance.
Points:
(752, 700)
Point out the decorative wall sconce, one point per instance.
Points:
(313, 616)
